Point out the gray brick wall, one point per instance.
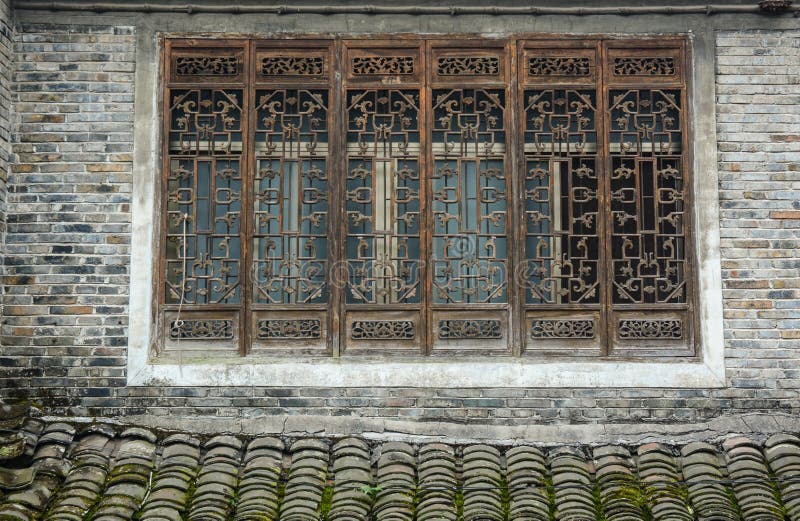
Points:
(66, 280)
(6, 61)
(64, 330)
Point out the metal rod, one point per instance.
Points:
(419, 10)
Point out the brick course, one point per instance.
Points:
(67, 253)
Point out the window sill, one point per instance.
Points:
(431, 373)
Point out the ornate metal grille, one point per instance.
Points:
(647, 196)
(561, 197)
(383, 196)
(204, 197)
(426, 196)
(469, 189)
(290, 197)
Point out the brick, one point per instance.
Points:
(786, 214)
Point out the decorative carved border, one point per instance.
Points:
(383, 65)
(559, 66)
(201, 330)
(468, 329)
(645, 66)
(289, 329)
(650, 328)
(468, 66)
(207, 65)
(292, 66)
(562, 328)
(382, 330)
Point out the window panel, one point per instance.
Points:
(204, 192)
(562, 249)
(326, 197)
(469, 186)
(647, 197)
(383, 197)
(290, 197)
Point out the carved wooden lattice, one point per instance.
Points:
(290, 197)
(649, 66)
(468, 66)
(425, 198)
(562, 328)
(383, 65)
(292, 65)
(470, 329)
(383, 196)
(383, 330)
(651, 329)
(289, 329)
(201, 329)
(469, 189)
(559, 66)
(207, 65)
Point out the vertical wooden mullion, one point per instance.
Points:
(337, 175)
(247, 169)
(426, 167)
(515, 146)
(161, 278)
(605, 219)
(687, 157)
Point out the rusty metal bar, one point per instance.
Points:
(419, 10)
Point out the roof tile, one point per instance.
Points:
(62, 476)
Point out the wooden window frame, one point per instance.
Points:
(329, 63)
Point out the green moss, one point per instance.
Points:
(458, 502)
(325, 504)
(187, 499)
(732, 499)
(599, 515)
(505, 500)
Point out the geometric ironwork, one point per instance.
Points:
(383, 330)
(201, 330)
(290, 197)
(562, 328)
(647, 197)
(561, 197)
(289, 329)
(458, 329)
(650, 328)
(383, 196)
(469, 256)
(203, 199)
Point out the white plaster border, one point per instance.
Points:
(707, 372)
